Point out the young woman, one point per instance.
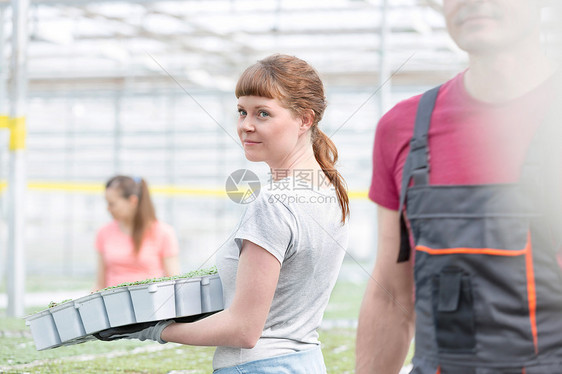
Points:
(135, 245)
(283, 260)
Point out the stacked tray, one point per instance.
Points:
(75, 321)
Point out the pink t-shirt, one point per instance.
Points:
(121, 263)
(470, 142)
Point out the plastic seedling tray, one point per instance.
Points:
(211, 294)
(43, 329)
(68, 321)
(188, 297)
(118, 306)
(92, 312)
(154, 301)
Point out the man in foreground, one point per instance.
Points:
(467, 180)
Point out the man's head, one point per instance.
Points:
(490, 26)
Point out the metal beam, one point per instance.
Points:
(6, 3)
(88, 2)
(362, 78)
(172, 42)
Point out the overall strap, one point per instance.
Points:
(416, 166)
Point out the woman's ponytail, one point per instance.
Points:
(326, 155)
(145, 214)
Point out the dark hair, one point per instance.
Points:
(145, 214)
(299, 88)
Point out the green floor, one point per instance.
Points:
(18, 354)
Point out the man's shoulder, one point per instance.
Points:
(401, 116)
(404, 112)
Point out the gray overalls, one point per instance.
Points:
(488, 286)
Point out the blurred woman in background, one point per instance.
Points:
(135, 245)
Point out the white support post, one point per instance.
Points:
(384, 66)
(15, 263)
(3, 115)
(3, 65)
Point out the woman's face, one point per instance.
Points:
(121, 209)
(268, 131)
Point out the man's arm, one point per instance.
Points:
(386, 317)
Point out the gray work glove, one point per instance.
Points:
(140, 331)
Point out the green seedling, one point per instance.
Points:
(192, 274)
(53, 304)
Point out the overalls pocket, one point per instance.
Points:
(453, 311)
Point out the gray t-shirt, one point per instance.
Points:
(303, 230)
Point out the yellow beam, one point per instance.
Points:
(358, 195)
(4, 122)
(98, 188)
(188, 191)
(17, 129)
(95, 188)
(18, 133)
